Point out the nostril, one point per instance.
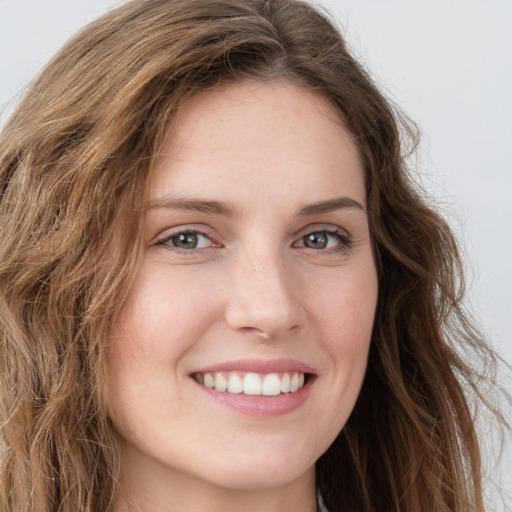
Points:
(256, 331)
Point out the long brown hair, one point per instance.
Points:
(74, 159)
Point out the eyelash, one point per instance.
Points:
(342, 237)
(166, 241)
(344, 241)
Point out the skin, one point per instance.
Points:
(253, 288)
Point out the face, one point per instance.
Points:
(258, 276)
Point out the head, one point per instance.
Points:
(75, 164)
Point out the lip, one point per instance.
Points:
(258, 366)
(259, 406)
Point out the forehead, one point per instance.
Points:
(257, 136)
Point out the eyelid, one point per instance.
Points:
(318, 227)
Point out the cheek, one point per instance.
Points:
(345, 307)
(345, 313)
(347, 338)
(156, 328)
(161, 313)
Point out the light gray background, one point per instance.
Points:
(448, 64)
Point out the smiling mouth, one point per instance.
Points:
(251, 383)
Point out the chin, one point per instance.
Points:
(260, 468)
(254, 477)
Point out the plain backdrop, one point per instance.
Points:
(448, 64)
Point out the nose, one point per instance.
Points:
(264, 298)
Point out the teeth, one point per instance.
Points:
(271, 385)
(208, 381)
(285, 383)
(221, 384)
(294, 383)
(250, 383)
(235, 384)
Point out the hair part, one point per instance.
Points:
(74, 162)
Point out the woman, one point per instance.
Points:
(220, 289)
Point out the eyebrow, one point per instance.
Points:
(194, 205)
(337, 203)
(229, 210)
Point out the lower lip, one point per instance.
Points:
(260, 406)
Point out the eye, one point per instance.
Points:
(187, 240)
(325, 240)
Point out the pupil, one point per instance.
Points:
(185, 241)
(316, 241)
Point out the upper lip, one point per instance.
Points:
(258, 366)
